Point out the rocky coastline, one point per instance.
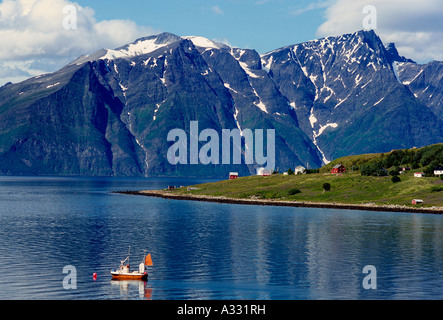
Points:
(166, 194)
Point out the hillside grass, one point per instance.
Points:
(348, 188)
(422, 156)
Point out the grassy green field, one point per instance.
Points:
(349, 188)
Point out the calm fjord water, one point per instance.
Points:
(205, 250)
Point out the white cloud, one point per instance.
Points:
(311, 6)
(217, 10)
(34, 39)
(416, 27)
(223, 41)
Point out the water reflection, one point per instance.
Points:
(128, 287)
(206, 250)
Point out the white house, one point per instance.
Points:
(419, 174)
(438, 170)
(300, 169)
(264, 172)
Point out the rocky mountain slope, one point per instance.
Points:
(109, 113)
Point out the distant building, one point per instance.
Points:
(299, 169)
(417, 201)
(233, 175)
(171, 187)
(405, 169)
(339, 168)
(264, 172)
(438, 170)
(419, 174)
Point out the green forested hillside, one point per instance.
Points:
(423, 159)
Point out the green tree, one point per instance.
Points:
(326, 186)
(293, 191)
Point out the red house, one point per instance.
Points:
(233, 175)
(339, 168)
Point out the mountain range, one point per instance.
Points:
(109, 113)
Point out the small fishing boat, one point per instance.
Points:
(124, 272)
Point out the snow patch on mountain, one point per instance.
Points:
(123, 88)
(412, 80)
(323, 128)
(262, 106)
(379, 101)
(52, 85)
(312, 118)
(342, 100)
(228, 86)
(204, 43)
(139, 47)
(317, 134)
(236, 121)
(267, 65)
(259, 104)
(248, 71)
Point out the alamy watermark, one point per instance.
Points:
(252, 152)
(70, 19)
(70, 280)
(370, 281)
(370, 20)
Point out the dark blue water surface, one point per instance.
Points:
(205, 250)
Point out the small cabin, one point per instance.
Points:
(405, 168)
(438, 170)
(233, 175)
(417, 201)
(264, 172)
(419, 174)
(339, 168)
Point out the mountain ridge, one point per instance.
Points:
(112, 109)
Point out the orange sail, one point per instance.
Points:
(148, 260)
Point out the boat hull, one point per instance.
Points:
(129, 276)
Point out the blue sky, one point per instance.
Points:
(263, 25)
(34, 40)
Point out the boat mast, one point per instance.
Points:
(144, 256)
(127, 258)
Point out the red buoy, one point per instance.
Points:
(94, 276)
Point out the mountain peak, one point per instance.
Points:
(205, 43)
(150, 44)
(394, 55)
(159, 39)
(324, 98)
(141, 46)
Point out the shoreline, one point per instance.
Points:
(281, 203)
